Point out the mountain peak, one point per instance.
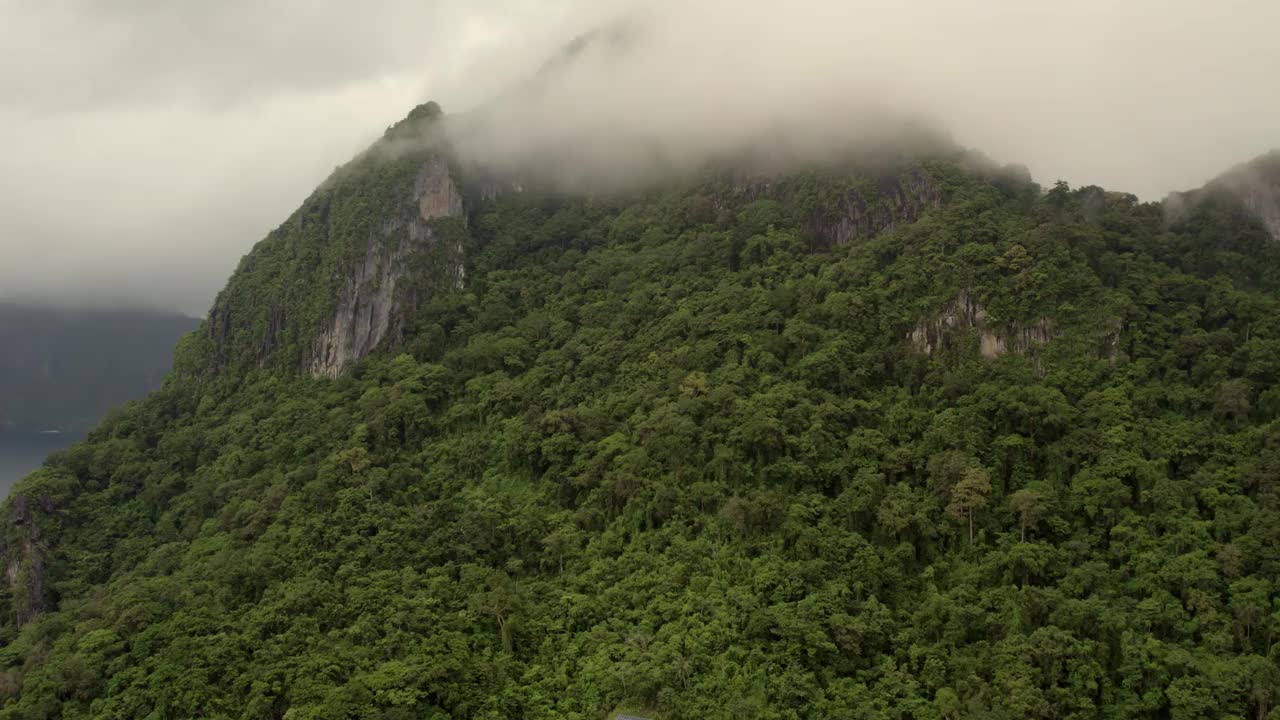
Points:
(419, 120)
(1257, 184)
(444, 431)
(1254, 185)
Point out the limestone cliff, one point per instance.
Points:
(965, 313)
(900, 201)
(375, 298)
(1254, 185)
(865, 211)
(24, 570)
(346, 272)
(33, 520)
(1257, 186)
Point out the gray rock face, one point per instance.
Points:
(435, 192)
(376, 298)
(1260, 197)
(1255, 184)
(364, 310)
(901, 203)
(24, 570)
(965, 313)
(896, 202)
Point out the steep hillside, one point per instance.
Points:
(1232, 224)
(64, 369)
(345, 271)
(886, 440)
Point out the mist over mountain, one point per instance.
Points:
(707, 371)
(148, 151)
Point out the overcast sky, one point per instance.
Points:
(147, 144)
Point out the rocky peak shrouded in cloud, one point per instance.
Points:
(1082, 92)
(1257, 186)
(152, 144)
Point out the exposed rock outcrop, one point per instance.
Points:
(965, 313)
(1255, 185)
(435, 192)
(900, 202)
(894, 201)
(346, 273)
(24, 554)
(376, 298)
(1260, 197)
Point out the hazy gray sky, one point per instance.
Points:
(148, 144)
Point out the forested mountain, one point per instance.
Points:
(903, 436)
(63, 369)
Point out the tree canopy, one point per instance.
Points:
(675, 452)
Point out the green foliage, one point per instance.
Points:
(674, 452)
(286, 288)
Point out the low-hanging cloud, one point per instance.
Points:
(149, 144)
(1141, 96)
(146, 145)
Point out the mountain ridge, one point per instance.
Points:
(916, 438)
(1255, 184)
(372, 299)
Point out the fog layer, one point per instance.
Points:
(149, 144)
(1142, 96)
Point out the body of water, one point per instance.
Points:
(20, 453)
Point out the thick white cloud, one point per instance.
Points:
(147, 144)
(1146, 96)
(84, 54)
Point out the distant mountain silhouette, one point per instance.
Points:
(63, 369)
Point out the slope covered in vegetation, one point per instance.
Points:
(1000, 453)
